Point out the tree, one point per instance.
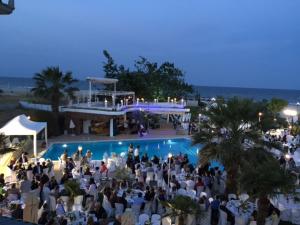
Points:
(223, 135)
(53, 85)
(262, 177)
(148, 79)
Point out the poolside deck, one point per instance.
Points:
(157, 133)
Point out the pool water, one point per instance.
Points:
(158, 147)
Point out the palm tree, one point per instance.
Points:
(223, 135)
(53, 84)
(262, 177)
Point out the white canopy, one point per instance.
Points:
(21, 125)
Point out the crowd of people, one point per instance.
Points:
(105, 198)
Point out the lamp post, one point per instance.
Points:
(169, 172)
(290, 113)
(259, 116)
(298, 104)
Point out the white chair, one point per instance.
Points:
(65, 199)
(45, 171)
(12, 197)
(203, 194)
(191, 193)
(232, 196)
(285, 215)
(199, 190)
(244, 197)
(240, 220)
(183, 185)
(177, 168)
(136, 208)
(191, 219)
(296, 216)
(29, 175)
(107, 206)
(143, 218)
(155, 218)
(148, 208)
(166, 220)
(181, 192)
(52, 204)
(150, 177)
(222, 218)
(78, 200)
(119, 209)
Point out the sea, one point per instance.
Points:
(15, 84)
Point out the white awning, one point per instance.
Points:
(21, 125)
(102, 80)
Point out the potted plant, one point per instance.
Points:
(181, 207)
(72, 193)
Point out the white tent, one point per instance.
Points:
(21, 125)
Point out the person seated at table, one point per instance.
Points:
(145, 158)
(97, 175)
(25, 185)
(12, 163)
(44, 218)
(121, 199)
(52, 183)
(139, 200)
(2, 180)
(137, 184)
(13, 192)
(88, 172)
(60, 210)
(100, 212)
(155, 160)
(113, 198)
(17, 212)
(92, 188)
(199, 183)
(37, 169)
(230, 215)
(103, 169)
(215, 204)
(70, 164)
(64, 177)
(34, 184)
(90, 221)
(149, 195)
(174, 182)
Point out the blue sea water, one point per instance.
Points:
(292, 96)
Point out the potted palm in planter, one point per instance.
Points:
(72, 194)
(183, 208)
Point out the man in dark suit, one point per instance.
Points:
(38, 169)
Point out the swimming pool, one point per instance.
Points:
(159, 147)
